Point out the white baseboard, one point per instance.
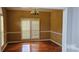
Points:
(56, 42)
(29, 40)
(40, 40)
(4, 47)
(15, 41)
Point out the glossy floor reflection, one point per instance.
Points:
(45, 46)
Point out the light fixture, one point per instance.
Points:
(35, 12)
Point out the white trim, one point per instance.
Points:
(4, 47)
(45, 31)
(56, 33)
(56, 43)
(14, 41)
(29, 40)
(20, 32)
(64, 30)
(40, 40)
(40, 31)
(12, 32)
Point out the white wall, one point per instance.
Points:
(73, 29)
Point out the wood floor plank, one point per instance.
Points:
(39, 46)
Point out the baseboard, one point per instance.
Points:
(4, 47)
(28, 40)
(56, 43)
(15, 41)
(40, 40)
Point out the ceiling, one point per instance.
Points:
(47, 9)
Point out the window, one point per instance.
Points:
(30, 28)
(25, 28)
(35, 29)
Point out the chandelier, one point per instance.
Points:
(35, 12)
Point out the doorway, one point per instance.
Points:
(30, 28)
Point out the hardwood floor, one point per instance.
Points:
(42, 46)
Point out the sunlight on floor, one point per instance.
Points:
(26, 48)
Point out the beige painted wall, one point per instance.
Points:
(13, 24)
(1, 11)
(56, 25)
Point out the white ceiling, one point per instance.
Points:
(31, 8)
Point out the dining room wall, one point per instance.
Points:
(56, 25)
(14, 28)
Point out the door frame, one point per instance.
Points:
(64, 30)
(2, 34)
